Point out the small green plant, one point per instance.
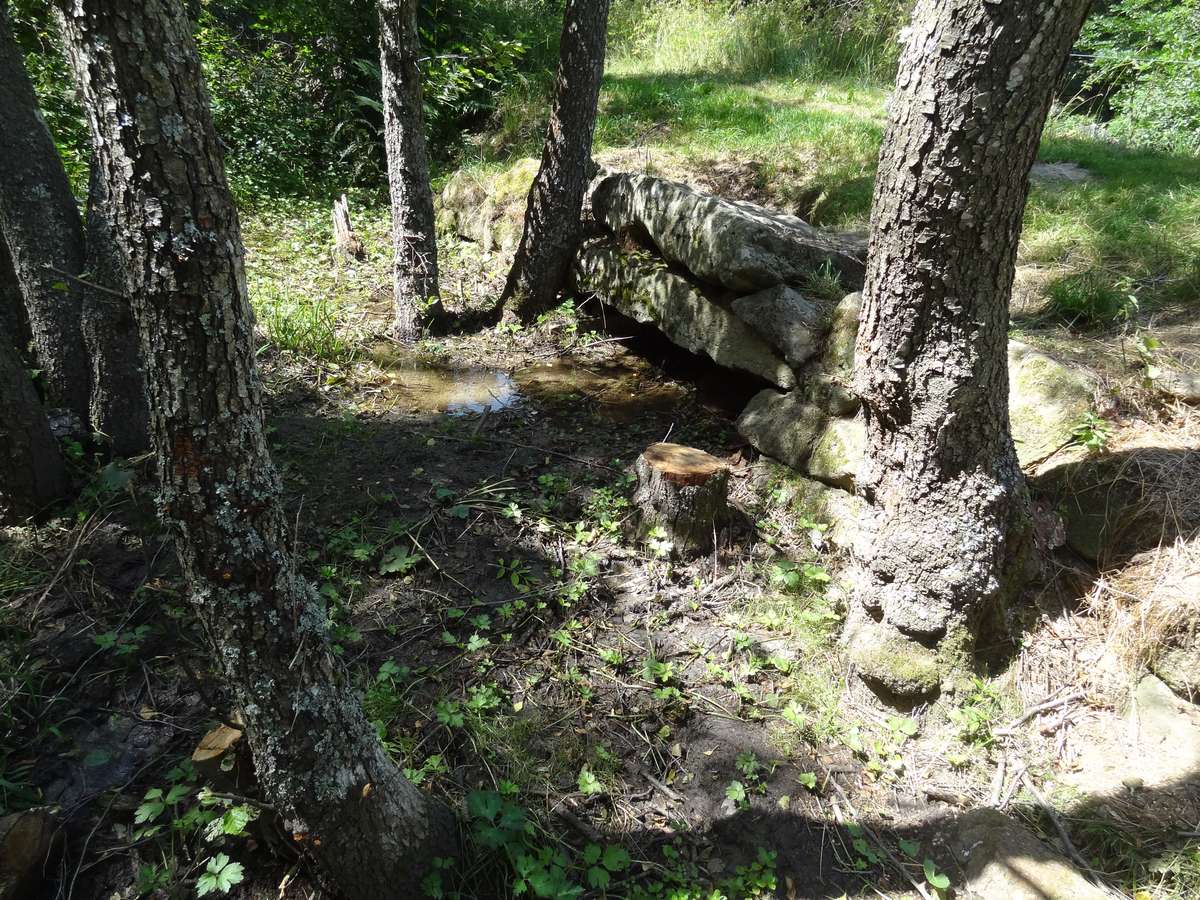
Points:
(1092, 433)
(220, 876)
(939, 881)
(974, 717)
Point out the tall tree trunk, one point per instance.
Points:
(552, 224)
(32, 471)
(414, 237)
(975, 84)
(119, 410)
(317, 758)
(40, 219)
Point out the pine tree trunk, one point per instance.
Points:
(317, 759)
(974, 88)
(552, 214)
(118, 398)
(414, 237)
(40, 220)
(32, 472)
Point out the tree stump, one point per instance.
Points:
(685, 492)
(344, 237)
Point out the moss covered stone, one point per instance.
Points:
(838, 452)
(488, 208)
(1046, 400)
(887, 659)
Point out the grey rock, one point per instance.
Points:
(1183, 386)
(783, 426)
(890, 660)
(838, 452)
(1046, 400)
(787, 320)
(736, 244)
(644, 289)
(1002, 860)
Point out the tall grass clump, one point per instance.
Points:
(795, 38)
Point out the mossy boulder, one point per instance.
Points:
(838, 452)
(893, 662)
(1046, 400)
(783, 426)
(1116, 505)
(488, 208)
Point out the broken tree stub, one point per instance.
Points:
(685, 492)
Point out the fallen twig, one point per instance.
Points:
(1010, 729)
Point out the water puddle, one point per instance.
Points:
(422, 384)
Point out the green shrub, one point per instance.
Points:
(1145, 52)
(1089, 299)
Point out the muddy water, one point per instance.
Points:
(619, 390)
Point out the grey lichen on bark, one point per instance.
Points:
(950, 525)
(32, 471)
(414, 235)
(40, 220)
(553, 225)
(318, 760)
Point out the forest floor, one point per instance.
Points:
(601, 715)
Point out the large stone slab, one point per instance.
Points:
(1046, 400)
(787, 320)
(647, 291)
(1002, 860)
(488, 209)
(736, 244)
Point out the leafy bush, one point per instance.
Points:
(1144, 52)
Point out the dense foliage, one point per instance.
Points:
(295, 83)
(1145, 52)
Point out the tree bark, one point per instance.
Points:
(975, 84)
(414, 237)
(119, 411)
(317, 759)
(32, 471)
(552, 214)
(40, 220)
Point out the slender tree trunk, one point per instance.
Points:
(552, 214)
(40, 219)
(317, 758)
(414, 238)
(119, 410)
(974, 88)
(32, 471)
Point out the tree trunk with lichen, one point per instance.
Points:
(318, 760)
(40, 220)
(950, 528)
(414, 236)
(32, 471)
(119, 412)
(552, 214)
